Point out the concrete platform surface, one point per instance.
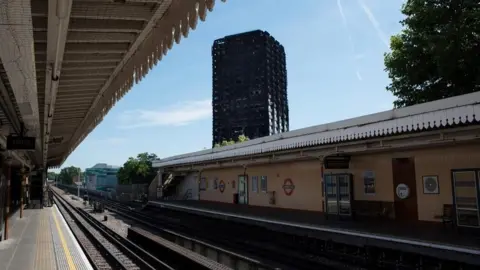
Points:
(41, 240)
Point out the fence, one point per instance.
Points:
(120, 193)
(129, 192)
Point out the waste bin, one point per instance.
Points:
(235, 198)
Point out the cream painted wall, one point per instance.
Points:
(306, 176)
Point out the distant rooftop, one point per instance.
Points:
(104, 166)
(248, 33)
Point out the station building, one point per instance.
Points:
(411, 164)
(101, 177)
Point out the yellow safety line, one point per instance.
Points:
(71, 265)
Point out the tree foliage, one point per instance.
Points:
(137, 170)
(241, 138)
(67, 174)
(437, 55)
(52, 175)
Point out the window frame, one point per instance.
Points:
(203, 184)
(255, 184)
(264, 183)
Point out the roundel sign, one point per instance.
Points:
(288, 186)
(403, 191)
(221, 186)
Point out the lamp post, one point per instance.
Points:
(78, 186)
(8, 161)
(22, 189)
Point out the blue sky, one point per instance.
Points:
(335, 71)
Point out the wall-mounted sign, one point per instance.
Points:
(221, 186)
(55, 140)
(288, 186)
(20, 143)
(337, 162)
(402, 191)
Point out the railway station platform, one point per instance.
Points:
(425, 239)
(41, 240)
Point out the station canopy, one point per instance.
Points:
(65, 63)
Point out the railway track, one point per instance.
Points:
(330, 254)
(105, 249)
(272, 249)
(261, 244)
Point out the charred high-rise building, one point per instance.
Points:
(249, 86)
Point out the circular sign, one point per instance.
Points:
(288, 186)
(431, 184)
(221, 186)
(403, 191)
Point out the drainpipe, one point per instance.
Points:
(199, 181)
(245, 181)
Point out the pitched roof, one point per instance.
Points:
(435, 114)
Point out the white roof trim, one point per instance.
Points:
(441, 113)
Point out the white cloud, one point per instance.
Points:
(178, 115)
(375, 23)
(359, 76)
(340, 9)
(350, 39)
(345, 24)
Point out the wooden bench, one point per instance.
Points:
(372, 209)
(448, 215)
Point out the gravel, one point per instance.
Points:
(114, 221)
(106, 243)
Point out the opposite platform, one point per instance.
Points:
(41, 240)
(432, 240)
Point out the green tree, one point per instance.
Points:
(127, 172)
(241, 138)
(225, 142)
(137, 170)
(437, 54)
(52, 175)
(67, 174)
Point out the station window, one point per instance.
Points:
(254, 183)
(263, 184)
(203, 183)
(369, 182)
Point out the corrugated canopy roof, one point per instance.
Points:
(437, 114)
(85, 55)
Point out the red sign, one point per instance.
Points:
(221, 186)
(288, 186)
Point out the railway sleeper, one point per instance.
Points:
(366, 256)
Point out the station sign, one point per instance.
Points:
(20, 143)
(288, 186)
(402, 191)
(221, 186)
(337, 162)
(56, 140)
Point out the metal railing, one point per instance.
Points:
(188, 194)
